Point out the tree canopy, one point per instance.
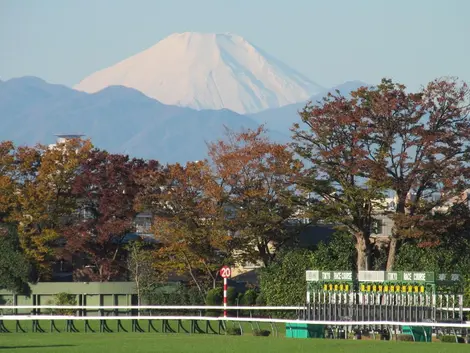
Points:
(379, 152)
(382, 139)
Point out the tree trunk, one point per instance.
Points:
(393, 246)
(190, 269)
(392, 252)
(263, 254)
(363, 252)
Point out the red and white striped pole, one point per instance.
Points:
(225, 297)
(225, 273)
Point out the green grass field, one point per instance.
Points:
(117, 342)
(199, 343)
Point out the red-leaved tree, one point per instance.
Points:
(106, 189)
(384, 138)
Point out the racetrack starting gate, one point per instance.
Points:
(383, 296)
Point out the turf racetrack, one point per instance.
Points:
(200, 343)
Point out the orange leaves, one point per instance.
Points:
(36, 185)
(258, 178)
(188, 219)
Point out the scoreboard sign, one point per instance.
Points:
(341, 276)
(415, 277)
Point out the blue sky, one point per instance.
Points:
(411, 41)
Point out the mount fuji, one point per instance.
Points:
(207, 71)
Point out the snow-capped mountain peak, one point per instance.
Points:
(207, 71)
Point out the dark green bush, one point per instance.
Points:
(215, 296)
(249, 298)
(64, 298)
(163, 294)
(451, 339)
(232, 295)
(261, 332)
(234, 331)
(261, 300)
(194, 297)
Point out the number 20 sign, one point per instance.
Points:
(225, 272)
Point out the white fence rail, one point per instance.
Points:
(40, 316)
(238, 319)
(172, 307)
(152, 307)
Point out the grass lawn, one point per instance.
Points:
(176, 343)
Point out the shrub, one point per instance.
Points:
(451, 339)
(234, 331)
(63, 298)
(249, 298)
(164, 294)
(261, 332)
(231, 296)
(6, 302)
(194, 297)
(261, 300)
(283, 282)
(215, 296)
(405, 338)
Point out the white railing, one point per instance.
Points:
(173, 307)
(152, 307)
(238, 319)
(37, 316)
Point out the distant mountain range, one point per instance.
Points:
(166, 102)
(207, 71)
(123, 120)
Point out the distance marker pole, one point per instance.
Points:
(225, 273)
(225, 297)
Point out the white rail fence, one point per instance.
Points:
(151, 307)
(36, 315)
(239, 319)
(456, 329)
(172, 307)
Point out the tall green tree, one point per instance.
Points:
(283, 282)
(338, 254)
(14, 266)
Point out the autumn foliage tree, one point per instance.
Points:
(419, 144)
(188, 222)
(385, 138)
(258, 178)
(7, 180)
(42, 183)
(105, 191)
(337, 177)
